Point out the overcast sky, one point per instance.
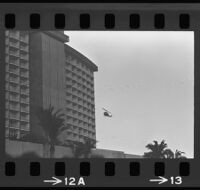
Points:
(146, 79)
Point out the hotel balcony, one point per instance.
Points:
(14, 80)
(14, 62)
(76, 116)
(24, 48)
(24, 39)
(24, 74)
(69, 121)
(25, 57)
(72, 116)
(14, 116)
(14, 89)
(77, 87)
(25, 127)
(14, 44)
(14, 53)
(25, 109)
(25, 91)
(24, 83)
(14, 71)
(14, 133)
(24, 118)
(24, 65)
(14, 35)
(24, 100)
(76, 123)
(14, 126)
(14, 107)
(14, 98)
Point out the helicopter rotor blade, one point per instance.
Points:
(106, 110)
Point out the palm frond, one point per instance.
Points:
(51, 121)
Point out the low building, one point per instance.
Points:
(106, 153)
(133, 156)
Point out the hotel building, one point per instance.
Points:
(17, 84)
(41, 70)
(47, 76)
(80, 95)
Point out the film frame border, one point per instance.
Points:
(84, 17)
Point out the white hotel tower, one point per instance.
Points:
(17, 83)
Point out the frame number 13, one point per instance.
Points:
(176, 180)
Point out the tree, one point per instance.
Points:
(156, 150)
(168, 153)
(179, 154)
(83, 149)
(52, 122)
(161, 151)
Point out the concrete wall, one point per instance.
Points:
(108, 153)
(133, 156)
(18, 148)
(62, 151)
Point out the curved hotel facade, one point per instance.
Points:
(80, 104)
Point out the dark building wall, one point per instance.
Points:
(36, 100)
(53, 76)
(47, 78)
(62, 77)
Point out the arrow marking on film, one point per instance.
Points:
(160, 180)
(54, 181)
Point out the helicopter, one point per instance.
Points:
(107, 113)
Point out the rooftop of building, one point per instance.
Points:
(83, 58)
(107, 153)
(58, 35)
(133, 156)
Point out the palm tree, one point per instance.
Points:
(156, 150)
(83, 149)
(88, 145)
(168, 153)
(52, 123)
(161, 151)
(179, 154)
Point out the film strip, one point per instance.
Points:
(109, 21)
(24, 24)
